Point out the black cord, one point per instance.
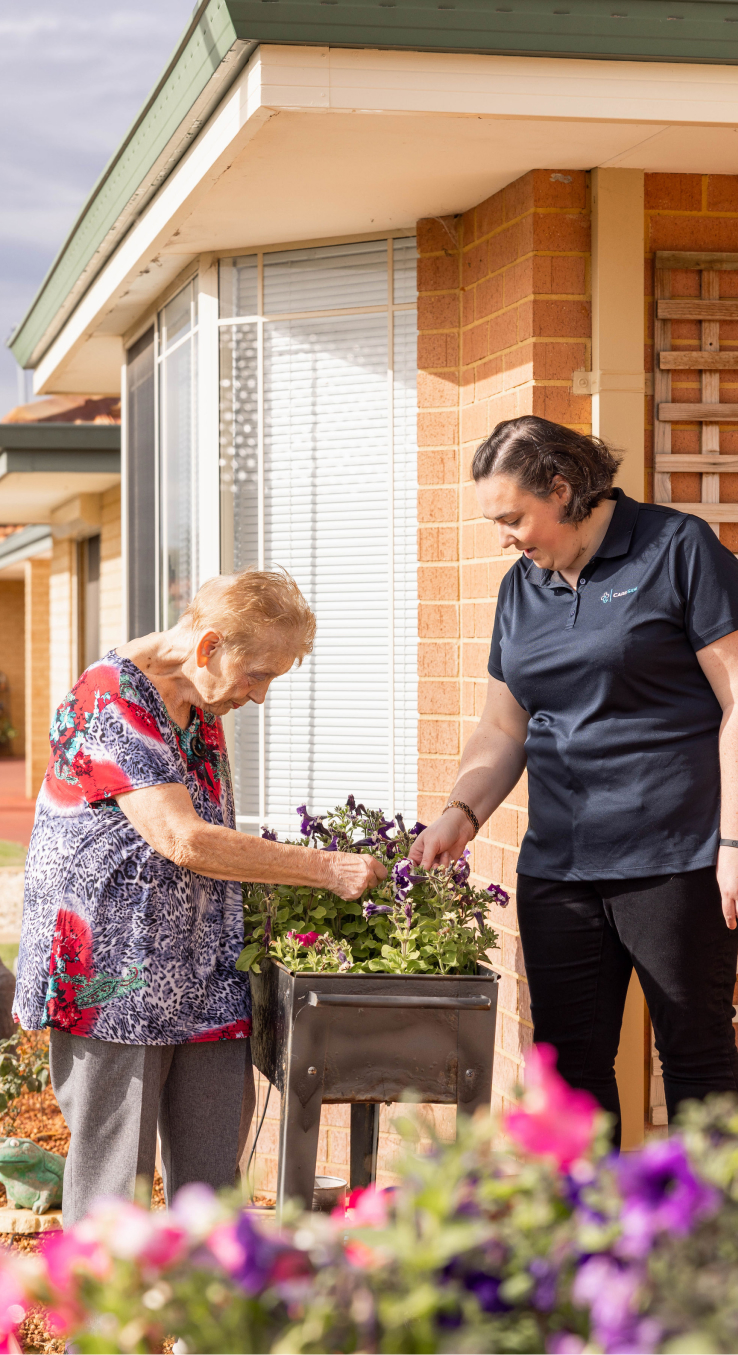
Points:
(256, 1139)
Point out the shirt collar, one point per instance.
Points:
(616, 541)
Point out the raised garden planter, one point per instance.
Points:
(365, 1039)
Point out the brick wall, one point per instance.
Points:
(12, 662)
(692, 212)
(333, 1142)
(504, 320)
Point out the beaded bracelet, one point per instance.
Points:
(459, 804)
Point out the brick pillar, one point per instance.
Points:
(112, 631)
(62, 620)
(37, 673)
(504, 321)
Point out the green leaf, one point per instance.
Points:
(246, 959)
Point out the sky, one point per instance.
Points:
(73, 76)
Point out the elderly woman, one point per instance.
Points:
(613, 675)
(132, 921)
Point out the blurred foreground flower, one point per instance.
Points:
(570, 1250)
(552, 1120)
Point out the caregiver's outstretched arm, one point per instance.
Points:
(165, 817)
(491, 764)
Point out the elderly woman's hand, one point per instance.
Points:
(350, 874)
(165, 817)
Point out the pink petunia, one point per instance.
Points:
(367, 1208)
(552, 1119)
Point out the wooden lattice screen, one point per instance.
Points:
(708, 413)
(709, 361)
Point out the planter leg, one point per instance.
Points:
(476, 1038)
(302, 1099)
(364, 1136)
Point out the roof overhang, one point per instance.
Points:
(223, 34)
(313, 143)
(21, 546)
(42, 466)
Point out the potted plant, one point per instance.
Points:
(367, 1001)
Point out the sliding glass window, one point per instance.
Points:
(177, 363)
(319, 474)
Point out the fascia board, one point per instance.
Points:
(25, 545)
(647, 30)
(64, 462)
(24, 438)
(207, 60)
(67, 463)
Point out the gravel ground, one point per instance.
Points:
(40, 1119)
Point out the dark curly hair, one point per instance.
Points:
(534, 451)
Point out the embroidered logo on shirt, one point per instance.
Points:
(608, 597)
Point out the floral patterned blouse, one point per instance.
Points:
(117, 942)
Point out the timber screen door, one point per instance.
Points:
(319, 474)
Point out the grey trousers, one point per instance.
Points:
(113, 1096)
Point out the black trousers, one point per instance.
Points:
(581, 941)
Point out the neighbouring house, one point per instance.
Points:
(339, 243)
(60, 589)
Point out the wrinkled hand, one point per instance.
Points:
(727, 877)
(442, 841)
(349, 873)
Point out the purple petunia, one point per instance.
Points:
(478, 916)
(460, 873)
(401, 873)
(307, 823)
(376, 909)
(660, 1194)
(269, 835)
(500, 896)
(610, 1291)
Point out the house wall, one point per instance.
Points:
(64, 597)
(504, 321)
(12, 662)
(37, 666)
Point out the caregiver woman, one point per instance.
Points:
(613, 676)
(132, 920)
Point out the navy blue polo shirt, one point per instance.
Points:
(622, 742)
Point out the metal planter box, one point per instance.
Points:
(365, 1039)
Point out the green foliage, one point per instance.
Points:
(24, 1067)
(416, 922)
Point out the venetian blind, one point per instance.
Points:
(336, 493)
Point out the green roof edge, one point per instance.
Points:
(650, 30)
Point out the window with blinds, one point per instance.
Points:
(177, 361)
(319, 474)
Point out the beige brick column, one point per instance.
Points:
(111, 573)
(37, 672)
(504, 321)
(62, 620)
